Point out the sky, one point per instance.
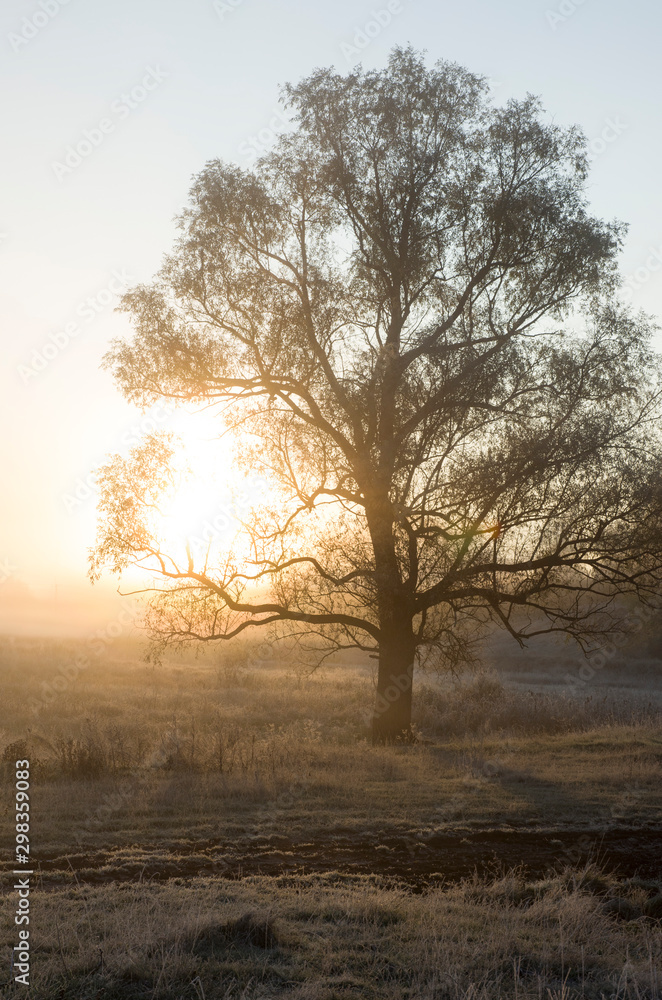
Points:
(108, 112)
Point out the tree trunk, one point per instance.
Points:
(391, 720)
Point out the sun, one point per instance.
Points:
(212, 495)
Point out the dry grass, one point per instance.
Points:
(145, 765)
(484, 704)
(195, 750)
(334, 936)
(232, 717)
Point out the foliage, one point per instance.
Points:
(409, 311)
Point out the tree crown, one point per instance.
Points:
(408, 304)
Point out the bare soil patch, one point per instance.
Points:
(416, 859)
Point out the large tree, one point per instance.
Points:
(410, 307)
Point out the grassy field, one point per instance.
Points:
(220, 827)
(338, 936)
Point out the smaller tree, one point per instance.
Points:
(410, 308)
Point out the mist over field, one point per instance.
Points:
(229, 811)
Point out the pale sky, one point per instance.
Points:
(156, 88)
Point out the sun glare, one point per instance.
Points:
(204, 513)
